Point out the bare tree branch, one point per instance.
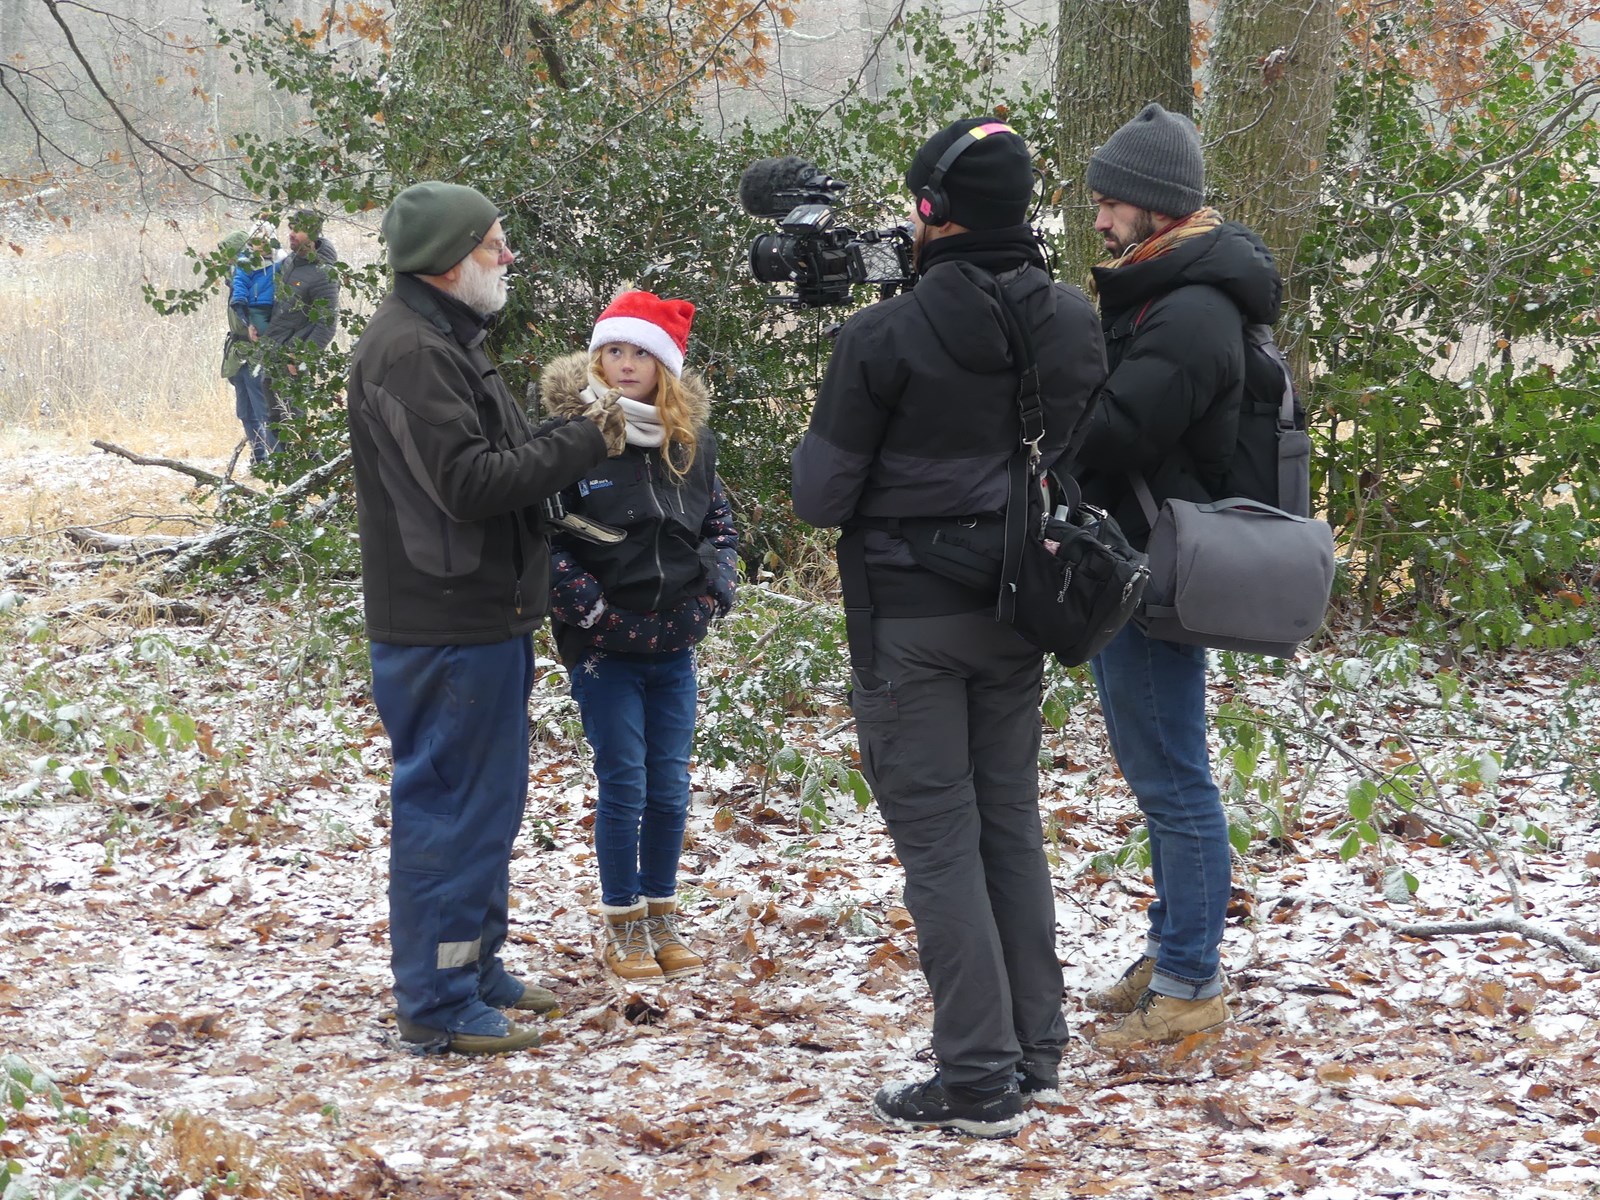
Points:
(190, 170)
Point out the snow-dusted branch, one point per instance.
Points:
(1570, 946)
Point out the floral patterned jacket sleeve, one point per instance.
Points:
(720, 531)
(575, 596)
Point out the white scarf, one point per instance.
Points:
(644, 421)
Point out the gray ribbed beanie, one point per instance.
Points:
(432, 226)
(1153, 162)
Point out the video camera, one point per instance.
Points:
(823, 259)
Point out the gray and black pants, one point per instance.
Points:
(950, 745)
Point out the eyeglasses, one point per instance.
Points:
(499, 247)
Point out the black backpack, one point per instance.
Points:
(1272, 456)
(1272, 453)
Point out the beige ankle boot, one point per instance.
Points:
(628, 951)
(672, 955)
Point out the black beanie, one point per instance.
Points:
(432, 226)
(1153, 162)
(989, 186)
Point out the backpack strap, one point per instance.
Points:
(1260, 336)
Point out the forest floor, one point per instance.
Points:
(195, 947)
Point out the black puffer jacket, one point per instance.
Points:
(657, 590)
(1174, 337)
(917, 416)
(449, 475)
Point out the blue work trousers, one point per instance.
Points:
(457, 719)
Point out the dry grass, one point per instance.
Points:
(83, 357)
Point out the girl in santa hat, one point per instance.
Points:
(627, 615)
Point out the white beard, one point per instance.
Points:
(482, 289)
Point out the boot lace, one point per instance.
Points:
(632, 937)
(664, 931)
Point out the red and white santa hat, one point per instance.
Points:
(645, 320)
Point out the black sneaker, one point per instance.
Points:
(930, 1104)
(1039, 1083)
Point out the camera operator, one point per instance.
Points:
(917, 417)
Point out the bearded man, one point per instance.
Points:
(450, 480)
(1175, 296)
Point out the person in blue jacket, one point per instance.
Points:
(250, 308)
(627, 614)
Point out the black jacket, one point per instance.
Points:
(1174, 339)
(917, 416)
(449, 475)
(655, 591)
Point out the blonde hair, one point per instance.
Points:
(677, 417)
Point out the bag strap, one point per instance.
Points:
(851, 553)
(1024, 463)
(1147, 500)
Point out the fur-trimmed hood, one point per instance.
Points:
(562, 381)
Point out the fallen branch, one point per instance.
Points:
(178, 465)
(138, 605)
(216, 543)
(143, 545)
(1429, 929)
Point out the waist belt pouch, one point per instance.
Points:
(969, 551)
(1236, 574)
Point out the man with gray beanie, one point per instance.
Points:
(918, 418)
(1174, 298)
(450, 480)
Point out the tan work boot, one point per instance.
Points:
(672, 955)
(1123, 995)
(536, 999)
(628, 951)
(1158, 1018)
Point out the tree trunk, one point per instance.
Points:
(461, 39)
(1268, 104)
(1115, 56)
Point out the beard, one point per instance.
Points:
(482, 289)
(1143, 229)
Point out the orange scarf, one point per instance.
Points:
(1196, 224)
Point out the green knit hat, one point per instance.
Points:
(233, 245)
(432, 226)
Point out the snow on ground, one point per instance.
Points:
(199, 957)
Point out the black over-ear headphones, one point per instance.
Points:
(933, 206)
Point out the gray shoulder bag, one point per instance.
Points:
(1239, 574)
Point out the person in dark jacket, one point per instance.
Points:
(627, 615)
(450, 479)
(305, 312)
(917, 416)
(1174, 299)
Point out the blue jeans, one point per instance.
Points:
(1153, 695)
(250, 406)
(638, 713)
(457, 720)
